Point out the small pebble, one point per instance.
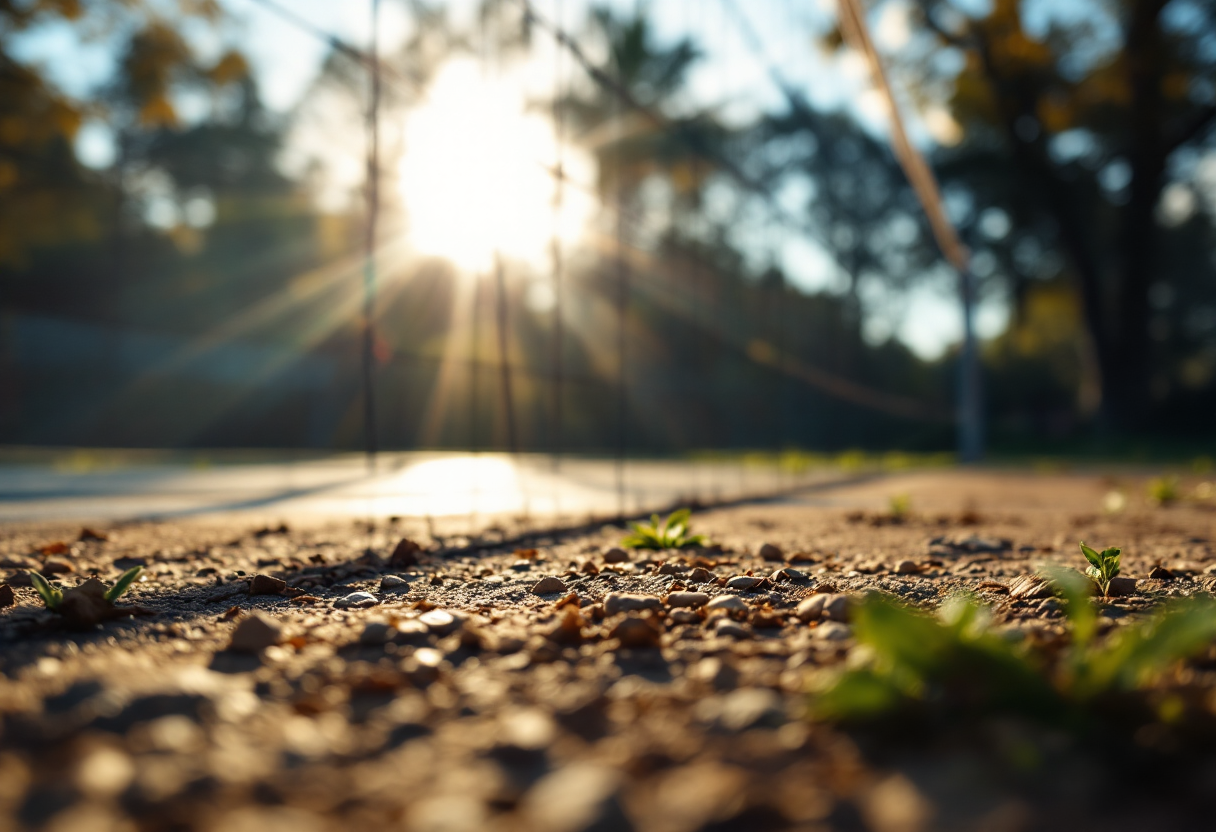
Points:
(442, 622)
(635, 632)
(391, 582)
(687, 599)
(700, 575)
(356, 600)
(837, 608)
(744, 582)
(256, 632)
(684, 616)
(906, 567)
(811, 609)
(616, 602)
(823, 605)
(7, 596)
(616, 555)
(375, 632)
(833, 631)
(747, 707)
(266, 585)
(729, 603)
(718, 672)
(727, 627)
(579, 797)
(770, 551)
(548, 585)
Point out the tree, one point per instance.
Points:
(1086, 125)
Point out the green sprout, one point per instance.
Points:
(1163, 491)
(900, 505)
(122, 584)
(52, 596)
(956, 664)
(671, 533)
(1103, 566)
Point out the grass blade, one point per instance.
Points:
(124, 581)
(50, 596)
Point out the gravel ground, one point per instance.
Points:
(334, 677)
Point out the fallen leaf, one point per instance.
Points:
(405, 553)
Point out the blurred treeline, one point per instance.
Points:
(203, 287)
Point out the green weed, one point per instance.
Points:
(122, 584)
(672, 533)
(1163, 491)
(1103, 566)
(900, 506)
(52, 596)
(955, 664)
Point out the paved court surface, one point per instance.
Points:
(440, 485)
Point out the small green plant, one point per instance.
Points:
(671, 533)
(1163, 491)
(1103, 566)
(900, 505)
(122, 584)
(954, 664)
(52, 596)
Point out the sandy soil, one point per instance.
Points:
(462, 693)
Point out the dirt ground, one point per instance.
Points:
(666, 692)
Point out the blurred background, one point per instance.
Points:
(649, 228)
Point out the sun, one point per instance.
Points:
(475, 177)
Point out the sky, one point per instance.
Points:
(731, 76)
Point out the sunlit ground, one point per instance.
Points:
(403, 484)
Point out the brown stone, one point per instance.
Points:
(772, 552)
(616, 602)
(547, 585)
(404, 554)
(634, 631)
(616, 555)
(7, 596)
(266, 585)
(254, 633)
(687, 599)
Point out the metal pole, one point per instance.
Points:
(970, 400)
(559, 125)
(920, 176)
(622, 279)
(504, 364)
(369, 264)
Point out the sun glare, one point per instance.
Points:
(473, 175)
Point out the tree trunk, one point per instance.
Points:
(1126, 362)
